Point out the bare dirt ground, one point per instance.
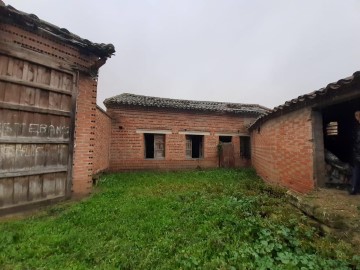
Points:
(336, 211)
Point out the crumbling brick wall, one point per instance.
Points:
(282, 150)
(102, 139)
(127, 147)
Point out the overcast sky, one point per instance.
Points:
(246, 51)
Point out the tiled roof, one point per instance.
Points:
(309, 99)
(146, 101)
(33, 23)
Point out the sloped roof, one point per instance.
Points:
(156, 102)
(33, 23)
(309, 99)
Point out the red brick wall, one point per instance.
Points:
(127, 146)
(282, 153)
(102, 141)
(84, 143)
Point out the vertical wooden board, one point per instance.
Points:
(43, 99)
(54, 101)
(4, 62)
(35, 187)
(7, 123)
(52, 155)
(53, 127)
(7, 154)
(43, 75)
(56, 79)
(31, 73)
(27, 119)
(67, 82)
(66, 127)
(33, 120)
(18, 68)
(37, 98)
(12, 93)
(40, 155)
(27, 96)
(25, 70)
(21, 187)
(21, 126)
(65, 103)
(64, 154)
(24, 158)
(49, 184)
(43, 122)
(6, 191)
(2, 91)
(60, 181)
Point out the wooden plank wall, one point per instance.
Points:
(35, 132)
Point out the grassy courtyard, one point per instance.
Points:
(218, 219)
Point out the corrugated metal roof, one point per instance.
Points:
(147, 101)
(308, 99)
(32, 23)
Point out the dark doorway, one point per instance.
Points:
(338, 126)
(245, 147)
(149, 145)
(194, 146)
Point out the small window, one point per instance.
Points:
(245, 147)
(332, 129)
(194, 146)
(225, 139)
(154, 146)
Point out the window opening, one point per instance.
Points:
(194, 146)
(245, 147)
(225, 139)
(154, 146)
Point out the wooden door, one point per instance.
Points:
(36, 132)
(227, 158)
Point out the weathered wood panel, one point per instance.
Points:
(35, 124)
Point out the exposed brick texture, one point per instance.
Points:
(102, 141)
(282, 150)
(84, 145)
(128, 147)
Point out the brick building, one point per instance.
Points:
(48, 85)
(295, 145)
(160, 133)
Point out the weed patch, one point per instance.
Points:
(225, 219)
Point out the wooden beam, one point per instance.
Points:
(25, 54)
(33, 85)
(26, 108)
(32, 140)
(44, 170)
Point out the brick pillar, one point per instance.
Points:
(84, 141)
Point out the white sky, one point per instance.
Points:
(246, 51)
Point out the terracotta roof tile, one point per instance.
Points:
(305, 100)
(32, 22)
(147, 101)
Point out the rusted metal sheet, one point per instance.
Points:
(36, 116)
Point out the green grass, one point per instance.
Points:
(218, 219)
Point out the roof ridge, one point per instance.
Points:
(151, 101)
(305, 99)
